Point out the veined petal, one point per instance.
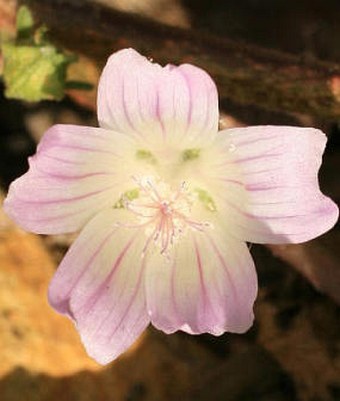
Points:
(76, 172)
(270, 184)
(99, 285)
(140, 98)
(208, 285)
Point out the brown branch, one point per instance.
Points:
(314, 261)
(245, 74)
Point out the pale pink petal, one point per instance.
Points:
(99, 285)
(76, 172)
(267, 184)
(208, 286)
(140, 98)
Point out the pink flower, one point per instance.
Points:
(165, 204)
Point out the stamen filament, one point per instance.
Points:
(163, 212)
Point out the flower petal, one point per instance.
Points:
(99, 285)
(270, 179)
(76, 172)
(149, 102)
(209, 286)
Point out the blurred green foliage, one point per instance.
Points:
(34, 69)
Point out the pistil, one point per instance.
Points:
(166, 213)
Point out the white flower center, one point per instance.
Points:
(164, 212)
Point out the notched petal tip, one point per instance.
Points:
(277, 168)
(210, 287)
(13, 207)
(75, 173)
(99, 285)
(327, 216)
(101, 353)
(154, 103)
(127, 55)
(58, 301)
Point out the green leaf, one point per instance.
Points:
(34, 73)
(34, 69)
(40, 36)
(24, 23)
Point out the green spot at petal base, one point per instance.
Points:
(127, 196)
(191, 154)
(206, 199)
(146, 155)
